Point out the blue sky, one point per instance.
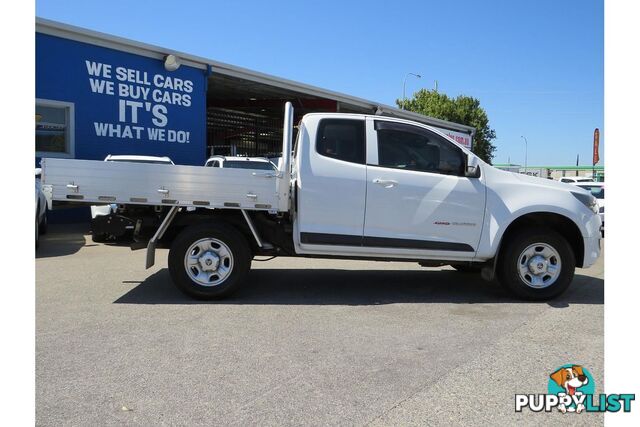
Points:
(536, 66)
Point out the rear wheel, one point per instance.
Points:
(536, 264)
(209, 261)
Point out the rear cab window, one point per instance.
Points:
(342, 139)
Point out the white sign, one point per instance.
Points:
(463, 139)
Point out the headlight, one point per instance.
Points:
(588, 200)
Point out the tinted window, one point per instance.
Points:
(408, 147)
(566, 180)
(342, 139)
(247, 164)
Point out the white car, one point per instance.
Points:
(164, 160)
(597, 190)
(41, 208)
(239, 162)
(575, 179)
(98, 211)
(102, 210)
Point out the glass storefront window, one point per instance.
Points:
(53, 128)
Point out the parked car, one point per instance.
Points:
(575, 179)
(597, 190)
(103, 216)
(41, 208)
(164, 160)
(238, 162)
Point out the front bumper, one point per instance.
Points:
(591, 251)
(592, 242)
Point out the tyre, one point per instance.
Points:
(37, 231)
(44, 224)
(99, 238)
(466, 268)
(209, 261)
(536, 264)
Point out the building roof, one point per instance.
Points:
(46, 26)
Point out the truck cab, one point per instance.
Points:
(381, 187)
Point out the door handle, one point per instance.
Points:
(163, 190)
(386, 183)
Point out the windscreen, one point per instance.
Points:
(155, 162)
(248, 164)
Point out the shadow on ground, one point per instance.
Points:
(352, 287)
(63, 239)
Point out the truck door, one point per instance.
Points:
(418, 201)
(331, 182)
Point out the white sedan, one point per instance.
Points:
(575, 179)
(41, 208)
(239, 162)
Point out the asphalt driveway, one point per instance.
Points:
(305, 342)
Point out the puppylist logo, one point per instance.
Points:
(571, 389)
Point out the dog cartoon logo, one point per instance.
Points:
(571, 380)
(571, 389)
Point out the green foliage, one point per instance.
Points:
(465, 110)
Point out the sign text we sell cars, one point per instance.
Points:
(140, 93)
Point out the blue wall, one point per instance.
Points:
(170, 106)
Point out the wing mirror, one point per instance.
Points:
(472, 167)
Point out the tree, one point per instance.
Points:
(465, 110)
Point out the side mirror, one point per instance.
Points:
(472, 167)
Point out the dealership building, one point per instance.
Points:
(98, 94)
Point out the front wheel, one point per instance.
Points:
(209, 261)
(536, 264)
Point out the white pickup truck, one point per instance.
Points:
(353, 186)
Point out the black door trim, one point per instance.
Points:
(330, 239)
(381, 242)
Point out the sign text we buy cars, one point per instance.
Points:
(143, 102)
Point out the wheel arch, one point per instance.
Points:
(230, 217)
(561, 224)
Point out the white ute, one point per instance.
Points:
(354, 186)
